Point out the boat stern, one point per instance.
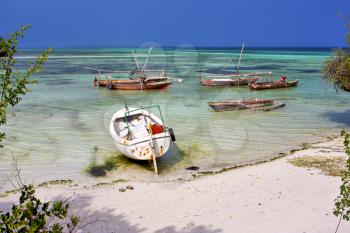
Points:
(142, 149)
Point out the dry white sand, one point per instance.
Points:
(273, 197)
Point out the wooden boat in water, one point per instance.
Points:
(273, 84)
(137, 85)
(138, 134)
(269, 108)
(233, 79)
(228, 81)
(240, 104)
(104, 82)
(140, 78)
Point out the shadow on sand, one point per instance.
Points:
(108, 221)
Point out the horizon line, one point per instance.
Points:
(177, 47)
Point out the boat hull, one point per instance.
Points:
(228, 82)
(273, 85)
(139, 85)
(105, 82)
(232, 105)
(269, 108)
(140, 148)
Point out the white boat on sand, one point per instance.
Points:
(141, 135)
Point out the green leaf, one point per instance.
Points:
(15, 84)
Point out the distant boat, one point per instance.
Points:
(228, 81)
(273, 84)
(105, 82)
(269, 108)
(137, 85)
(140, 78)
(234, 79)
(141, 135)
(240, 104)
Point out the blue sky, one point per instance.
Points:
(109, 23)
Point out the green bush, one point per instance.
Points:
(14, 84)
(30, 214)
(33, 215)
(342, 203)
(337, 69)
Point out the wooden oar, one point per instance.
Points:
(151, 141)
(153, 150)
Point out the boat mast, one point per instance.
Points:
(240, 58)
(226, 64)
(137, 64)
(145, 63)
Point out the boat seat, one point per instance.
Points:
(137, 126)
(139, 131)
(123, 133)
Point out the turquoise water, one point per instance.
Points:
(61, 127)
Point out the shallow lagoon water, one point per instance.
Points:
(61, 127)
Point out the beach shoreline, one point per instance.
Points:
(266, 197)
(187, 175)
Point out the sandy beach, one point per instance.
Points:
(268, 197)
